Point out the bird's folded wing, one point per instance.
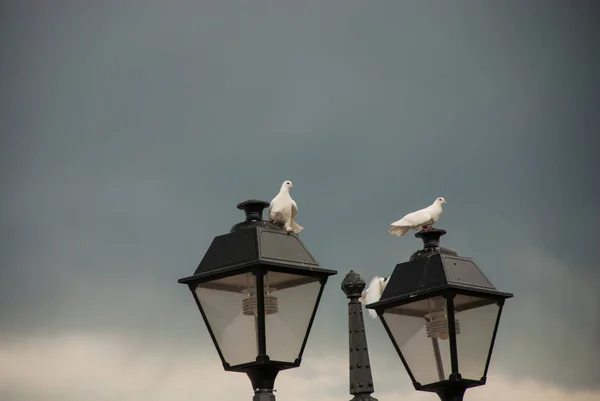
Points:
(413, 219)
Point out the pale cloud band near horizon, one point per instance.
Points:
(103, 367)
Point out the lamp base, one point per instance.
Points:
(263, 397)
(451, 393)
(263, 381)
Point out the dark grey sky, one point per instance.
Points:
(130, 130)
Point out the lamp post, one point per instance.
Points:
(361, 378)
(258, 289)
(441, 314)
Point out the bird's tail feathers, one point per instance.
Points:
(398, 231)
(372, 313)
(296, 227)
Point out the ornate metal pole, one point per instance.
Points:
(361, 379)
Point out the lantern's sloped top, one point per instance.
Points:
(255, 241)
(435, 272)
(434, 269)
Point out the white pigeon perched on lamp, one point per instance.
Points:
(373, 293)
(283, 209)
(420, 220)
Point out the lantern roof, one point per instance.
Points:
(434, 269)
(254, 242)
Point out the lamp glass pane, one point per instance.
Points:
(223, 304)
(420, 329)
(476, 321)
(289, 304)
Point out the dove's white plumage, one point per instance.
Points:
(283, 209)
(373, 293)
(419, 219)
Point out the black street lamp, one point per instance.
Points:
(442, 315)
(258, 332)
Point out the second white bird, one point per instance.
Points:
(421, 219)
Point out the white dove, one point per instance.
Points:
(419, 220)
(283, 209)
(373, 293)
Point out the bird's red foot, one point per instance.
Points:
(427, 228)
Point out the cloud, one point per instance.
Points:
(109, 367)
